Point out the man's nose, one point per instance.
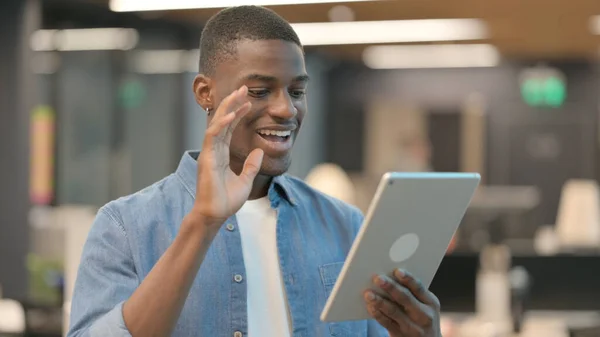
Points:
(283, 106)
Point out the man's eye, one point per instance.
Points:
(258, 93)
(297, 93)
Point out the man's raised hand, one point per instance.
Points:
(220, 192)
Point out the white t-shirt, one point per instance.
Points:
(268, 314)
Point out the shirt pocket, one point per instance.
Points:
(329, 274)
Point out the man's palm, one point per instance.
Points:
(220, 192)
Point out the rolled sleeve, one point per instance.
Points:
(106, 278)
(111, 324)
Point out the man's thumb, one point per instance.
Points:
(252, 165)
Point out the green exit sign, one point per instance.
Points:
(543, 87)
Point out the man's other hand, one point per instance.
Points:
(404, 307)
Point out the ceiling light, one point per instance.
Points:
(594, 24)
(164, 61)
(156, 5)
(363, 32)
(431, 56)
(341, 13)
(84, 39)
(43, 40)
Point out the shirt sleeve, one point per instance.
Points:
(356, 219)
(105, 280)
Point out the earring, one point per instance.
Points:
(208, 111)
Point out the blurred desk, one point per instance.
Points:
(40, 321)
(536, 324)
(562, 282)
(30, 334)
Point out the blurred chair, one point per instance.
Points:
(578, 218)
(12, 317)
(333, 181)
(499, 213)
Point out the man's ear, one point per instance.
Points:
(202, 91)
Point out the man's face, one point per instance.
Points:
(275, 75)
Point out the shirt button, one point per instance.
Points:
(238, 278)
(230, 227)
(237, 334)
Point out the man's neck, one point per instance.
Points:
(260, 187)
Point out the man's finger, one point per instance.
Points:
(373, 307)
(397, 292)
(382, 319)
(414, 309)
(215, 128)
(385, 311)
(231, 102)
(239, 115)
(416, 288)
(252, 166)
(236, 101)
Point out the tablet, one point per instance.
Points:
(409, 225)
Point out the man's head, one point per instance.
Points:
(253, 46)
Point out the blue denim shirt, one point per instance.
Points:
(129, 235)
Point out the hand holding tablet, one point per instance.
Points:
(406, 307)
(397, 252)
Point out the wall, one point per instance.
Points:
(18, 19)
(115, 124)
(510, 123)
(85, 119)
(195, 116)
(308, 149)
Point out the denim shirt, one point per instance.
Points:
(129, 235)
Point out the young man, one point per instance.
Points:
(229, 245)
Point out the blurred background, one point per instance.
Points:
(96, 103)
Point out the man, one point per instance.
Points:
(229, 245)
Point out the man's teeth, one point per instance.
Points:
(275, 133)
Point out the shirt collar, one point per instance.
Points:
(188, 169)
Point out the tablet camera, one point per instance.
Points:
(404, 247)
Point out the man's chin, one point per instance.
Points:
(275, 167)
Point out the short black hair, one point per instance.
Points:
(231, 25)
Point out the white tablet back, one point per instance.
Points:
(409, 225)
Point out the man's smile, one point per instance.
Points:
(276, 140)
